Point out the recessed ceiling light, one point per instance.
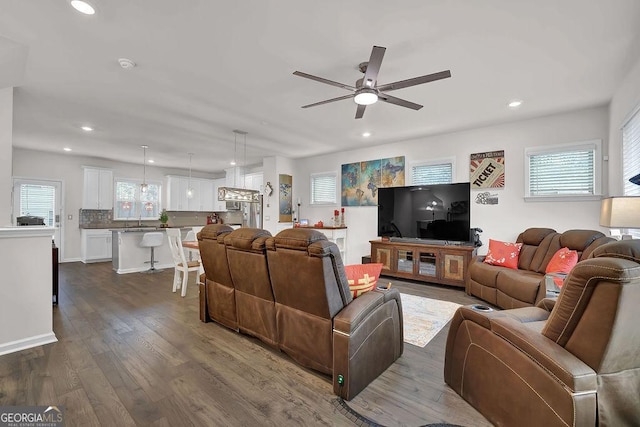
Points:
(83, 7)
(67, 149)
(151, 161)
(366, 134)
(126, 64)
(87, 128)
(515, 103)
(232, 163)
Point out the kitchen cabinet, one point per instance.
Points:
(98, 189)
(95, 245)
(204, 194)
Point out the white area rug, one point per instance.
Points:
(424, 318)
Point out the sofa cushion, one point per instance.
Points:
(362, 277)
(486, 274)
(504, 254)
(579, 240)
(562, 261)
(538, 246)
(522, 285)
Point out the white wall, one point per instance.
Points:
(26, 313)
(68, 169)
(272, 167)
(624, 102)
(503, 221)
(6, 141)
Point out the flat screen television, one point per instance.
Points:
(433, 213)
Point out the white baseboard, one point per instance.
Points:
(25, 343)
(71, 260)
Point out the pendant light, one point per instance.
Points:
(189, 189)
(235, 194)
(144, 187)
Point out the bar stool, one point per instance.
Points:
(152, 240)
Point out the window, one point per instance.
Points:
(323, 188)
(631, 154)
(434, 172)
(38, 200)
(130, 203)
(631, 159)
(563, 171)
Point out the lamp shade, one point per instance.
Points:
(620, 212)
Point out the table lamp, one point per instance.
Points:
(620, 212)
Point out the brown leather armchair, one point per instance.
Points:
(319, 324)
(577, 365)
(246, 254)
(217, 293)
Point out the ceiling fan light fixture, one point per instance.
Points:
(366, 96)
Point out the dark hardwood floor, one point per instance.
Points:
(131, 352)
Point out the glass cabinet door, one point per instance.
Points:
(405, 261)
(427, 264)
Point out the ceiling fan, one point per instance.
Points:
(367, 91)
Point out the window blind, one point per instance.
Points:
(323, 189)
(570, 172)
(38, 200)
(427, 174)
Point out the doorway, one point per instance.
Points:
(40, 198)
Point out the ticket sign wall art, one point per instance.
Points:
(487, 170)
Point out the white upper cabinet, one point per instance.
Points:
(203, 199)
(98, 189)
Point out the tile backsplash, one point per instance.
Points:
(103, 218)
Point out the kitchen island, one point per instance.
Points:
(129, 257)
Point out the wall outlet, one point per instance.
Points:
(267, 218)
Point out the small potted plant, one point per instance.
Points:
(164, 218)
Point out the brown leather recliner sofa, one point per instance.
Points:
(508, 288)
(577, 365)
(291, 292)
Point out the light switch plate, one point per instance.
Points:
(69, 217)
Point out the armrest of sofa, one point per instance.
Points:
(571, 371)
(547, 303)
(367, 339)
(350, 317)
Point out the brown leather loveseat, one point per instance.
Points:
(291, 292)
(578, 365)
(508, 288)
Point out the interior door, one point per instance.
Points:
(42, 198)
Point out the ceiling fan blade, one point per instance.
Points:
(373, 67)
(397, 101)
(415, 81)
(360, 111)
(340, 98)
(321, 80)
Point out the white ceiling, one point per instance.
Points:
(205, 68)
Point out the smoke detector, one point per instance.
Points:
(125, 63)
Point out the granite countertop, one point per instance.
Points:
(145, 228)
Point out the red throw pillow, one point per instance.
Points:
(562, 261)
(504, 254)
(362, 277)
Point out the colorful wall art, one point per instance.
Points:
(487, 170)
(360, 181)
(285, 207)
